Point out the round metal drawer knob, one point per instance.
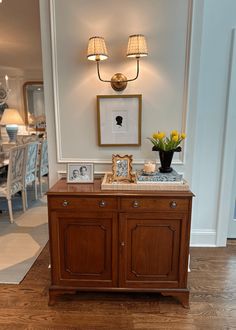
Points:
(65, 203)
(136, 204)
(102, 203)
(173, 204)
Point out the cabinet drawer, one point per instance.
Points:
(154, 204)
(83, 203)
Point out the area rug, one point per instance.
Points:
(22, 241)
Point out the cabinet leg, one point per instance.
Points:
(52, 298)
(55, 293)
(182, 297)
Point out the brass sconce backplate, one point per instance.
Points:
(118, 82)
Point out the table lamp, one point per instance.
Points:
(11, 118)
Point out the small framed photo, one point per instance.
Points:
(122, 167)
(80, 173)
(119, 120)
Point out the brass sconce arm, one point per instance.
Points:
(99, 75)
(118, 81)
(137, 72)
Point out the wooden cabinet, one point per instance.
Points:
(118, 240)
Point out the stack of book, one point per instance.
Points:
(158, 177)
(161, 181)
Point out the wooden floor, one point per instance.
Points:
(212, 282)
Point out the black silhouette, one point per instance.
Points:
(119, 120)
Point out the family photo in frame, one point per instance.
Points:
(122, 167)
(119, 120)
(80, 173)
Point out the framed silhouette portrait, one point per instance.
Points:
(119, 120)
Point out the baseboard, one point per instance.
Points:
(61, 174)
(203, 238)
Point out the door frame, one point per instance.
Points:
(227, 189)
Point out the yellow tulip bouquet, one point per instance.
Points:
(161, 142)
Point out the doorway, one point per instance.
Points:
(226, 224)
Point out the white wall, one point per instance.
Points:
(228, 179)
(161, 79)
(213, 86)
(162, 82)
(54, 167)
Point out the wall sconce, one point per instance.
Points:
(97, 51)
(4, 91)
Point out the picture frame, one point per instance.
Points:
(80, 173)
(119, 120)
(122, 167)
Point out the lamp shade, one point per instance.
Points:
(11, 116)
(97, 50)
(137, 46)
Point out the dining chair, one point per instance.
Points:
(15, 178)
(23, 139)
(43, 163)
(31, 155)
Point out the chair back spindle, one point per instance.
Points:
(15, 175)
(43, 163)
(31, 167)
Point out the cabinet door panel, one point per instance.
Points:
(87, 248)
(150, 249)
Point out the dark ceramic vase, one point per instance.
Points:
(166, 159)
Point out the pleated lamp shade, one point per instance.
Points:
(97, 50)
(137, 46)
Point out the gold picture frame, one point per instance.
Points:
(122, 167)
(119, 120)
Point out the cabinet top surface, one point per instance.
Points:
(64, 188)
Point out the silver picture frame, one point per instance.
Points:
(80, 173)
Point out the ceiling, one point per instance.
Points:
(20, 44)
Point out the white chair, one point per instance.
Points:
(15, 178)
(23, 139)
(43, 163)
(31, 168)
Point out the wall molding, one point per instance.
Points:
(227, 177)
(186, 74)
(55, 80)
(60, 158)
(203, 237)
(109, 162)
